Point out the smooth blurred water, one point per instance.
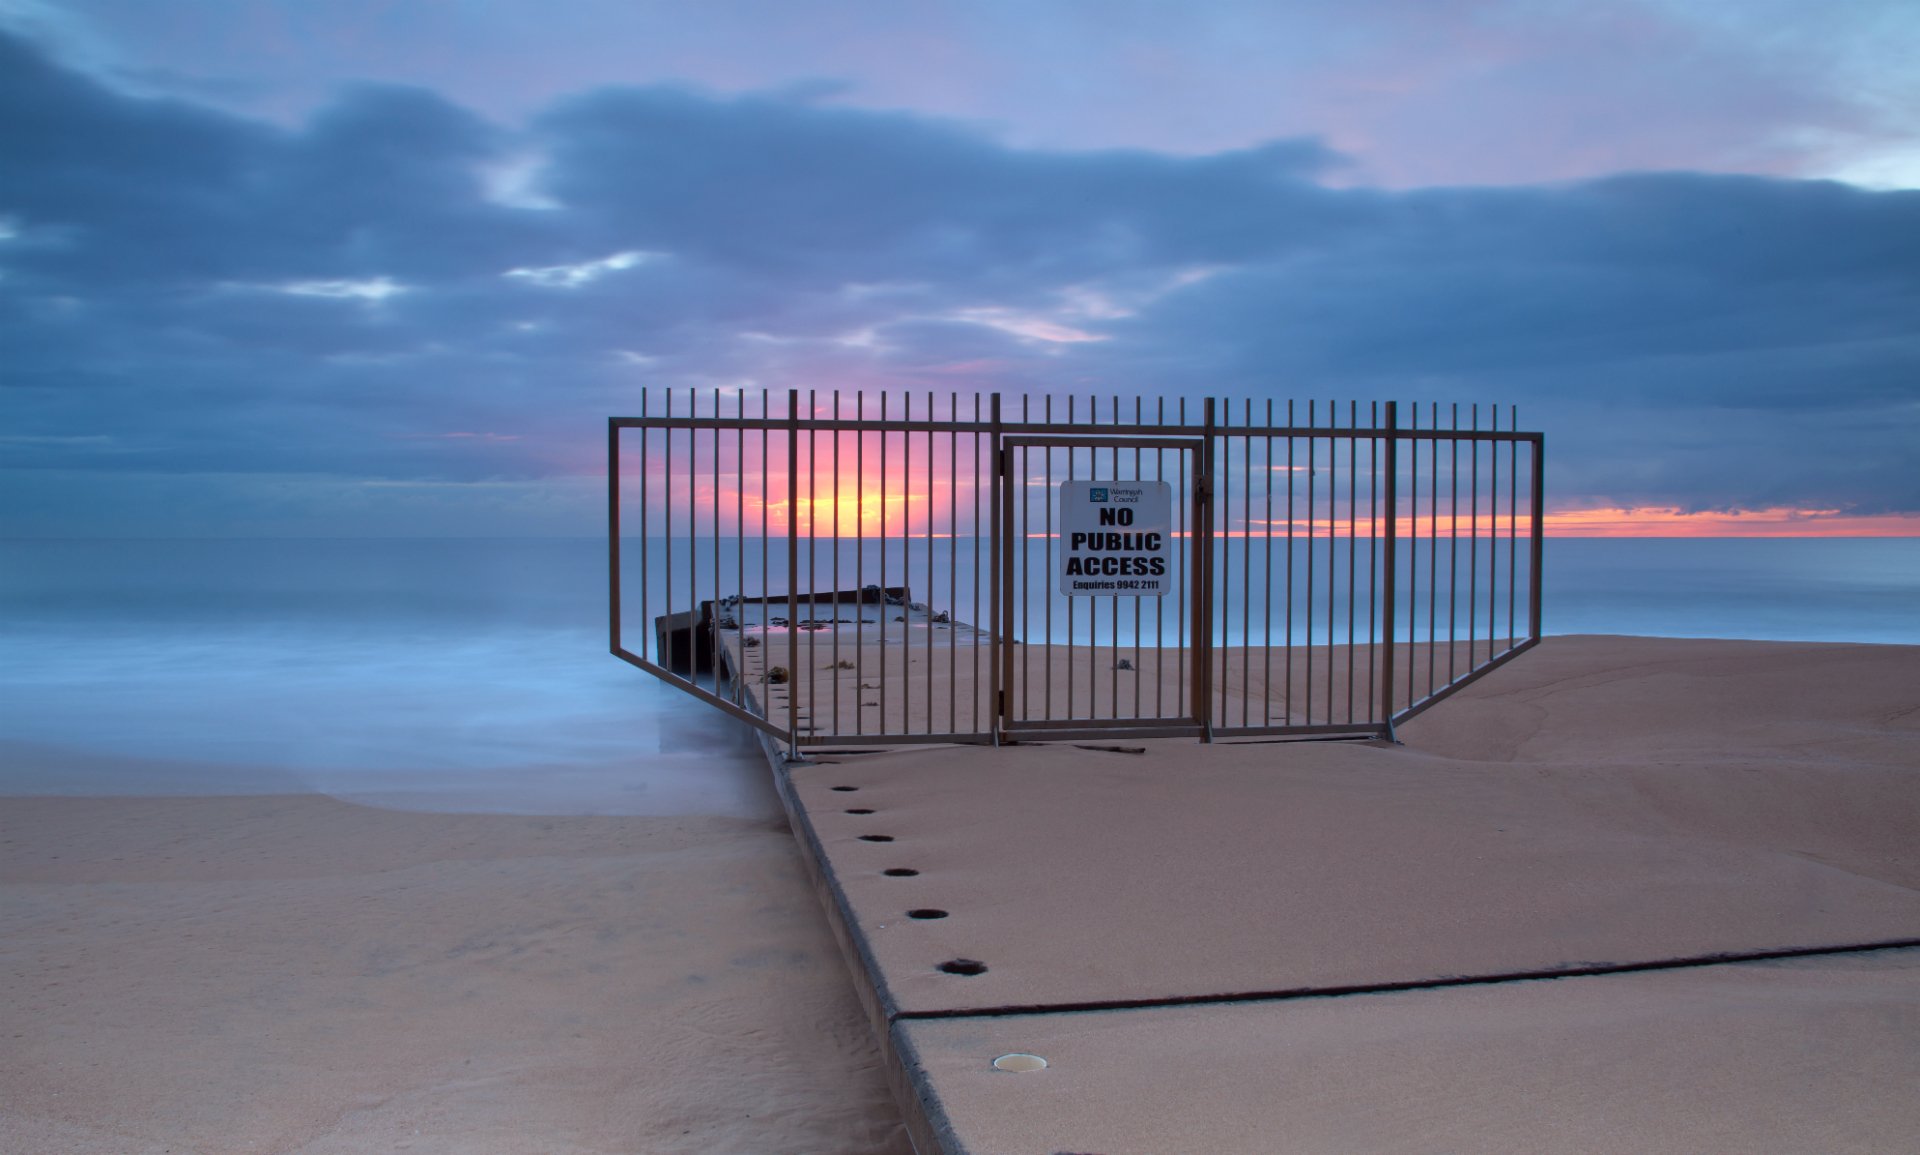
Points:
(474, 674)
(468, 675)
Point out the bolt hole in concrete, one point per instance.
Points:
(963, 966)
(846, 789)
(900, 872)
(859, 810)
(1019, 1063)
(876, 838)
(926, 912)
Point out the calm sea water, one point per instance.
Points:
(474, 675)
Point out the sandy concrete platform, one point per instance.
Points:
(1602, 803)
(1793, 1056)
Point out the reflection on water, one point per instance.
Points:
(474, 674)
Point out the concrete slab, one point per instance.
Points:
(1082, 876)
(1809, 1055)
(1604, 803)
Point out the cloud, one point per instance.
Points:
(190, 293)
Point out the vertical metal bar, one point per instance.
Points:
(1493, 533)
(1220, 567)
(885, 604)
(1413, 551)
(1001, 650)
(860, 564)
(1473, 545)
(1246, 562)
(1333, 548)
(666, 505)
(926, 598)
(1433, 554)
(1389, 563)
(1313, 450)
(646, 623)
(613, 534)
(835, 459)
(1160, 603)
(813, 558)
(1291, 441)
(906, 566)
(793, 572)
(1203, 558)
(1353, 543)
(953, 563)
(713, 616)
(1113, 603)
(1220, 574)
(1453, 551)
(1137, 611)
(1005, 540)
(1046, 580)
(1373, 563)
(1019, 462)
(973, 562)
(693, 535)
(766, 496)
(1181, 618)
(740, 542)
(1266, 573)
(1538, 543)
(1513, 515)
(1073, 647)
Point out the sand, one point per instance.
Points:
(302, 974)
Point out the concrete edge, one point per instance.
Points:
(926, 1123)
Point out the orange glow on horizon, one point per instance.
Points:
(951, 500)
(1776, 522)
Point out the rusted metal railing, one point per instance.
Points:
(854, 569)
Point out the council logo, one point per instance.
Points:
(1096, 494)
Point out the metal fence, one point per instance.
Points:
(846, 569)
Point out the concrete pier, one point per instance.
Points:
(1628, 895)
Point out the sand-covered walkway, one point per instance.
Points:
(1604, 803)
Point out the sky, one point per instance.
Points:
(294, 269)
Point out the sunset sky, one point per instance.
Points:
(286, 268)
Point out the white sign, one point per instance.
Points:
(1115, 538)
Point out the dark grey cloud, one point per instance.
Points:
(191, 295)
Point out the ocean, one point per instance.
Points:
(474, 675)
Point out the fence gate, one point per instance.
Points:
(846, 569)
(1098, 550)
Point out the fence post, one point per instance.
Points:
(1390, 565)
(1203, 576)
(613, 535)
(998, 651)
(793, 576)
(1539, 533)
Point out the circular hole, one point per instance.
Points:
(846, 789)
(1019, 1063)
(963, 966)
(860, 810)
(876, 838)
(900, 872)
(926, 912)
